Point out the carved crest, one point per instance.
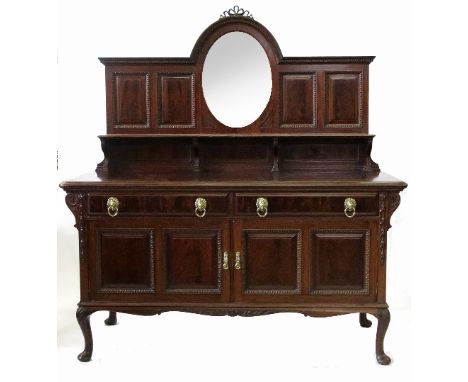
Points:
(236, 11)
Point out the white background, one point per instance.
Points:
(416, 102)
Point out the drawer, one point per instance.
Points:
(307, 204)
(168, 204)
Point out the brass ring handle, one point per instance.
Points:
(200, 207)
(262, 207)
(112, 206)
(350, 207)
(237, 264)
(226, 260)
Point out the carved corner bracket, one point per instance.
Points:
(393, 201)
(76, 203)
(388, 203)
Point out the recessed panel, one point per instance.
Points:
(298, 101)
(125, 260)
(192, 261)
(131, 100)
(339, 262)
(343, 100)
(272, 261)
(176, 102)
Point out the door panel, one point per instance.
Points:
(125, 261)
(159, 260)
(339, 261)
(270, 260)
(122, 256)
(190, 257)
(191, 260)
(342, 260)
(308, 260)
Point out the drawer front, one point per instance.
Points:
(307, 204)
(170, 204)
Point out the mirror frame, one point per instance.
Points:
(200, 50)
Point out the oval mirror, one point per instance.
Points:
(236, 79)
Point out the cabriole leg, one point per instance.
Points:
(112, 319)
(82, 315)
(383, 316)
(364, 321)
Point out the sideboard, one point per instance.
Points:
(184, 213)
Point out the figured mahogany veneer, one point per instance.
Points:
(306, 154)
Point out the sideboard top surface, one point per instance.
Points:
(246, 180)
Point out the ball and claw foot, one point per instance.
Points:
(364, 321)
(112, 319)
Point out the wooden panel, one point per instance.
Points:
(306, 204)
(176, 101)
(343, 100)
(235, 154)
(124, 260)
(271, 261)
(298, 103)
(339, 261)
(170, 204)
(191, 261)
(131, 102)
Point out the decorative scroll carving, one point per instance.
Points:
(393, 203)
(76, 204)
(236, 11)
(232, 312)
(323, 313)
(388, 203)
(382, 229)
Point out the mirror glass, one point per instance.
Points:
(236, 79)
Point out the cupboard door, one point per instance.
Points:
(267, 260)
(121, 259)
(340, 259)
(191, 260)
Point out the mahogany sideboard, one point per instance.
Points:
(287, 214)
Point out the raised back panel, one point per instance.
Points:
(298, 102)
(131, 104)
(309, 95)
(176, 101)
(344, 100)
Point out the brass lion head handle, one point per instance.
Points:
(200, 207)
(350, 207)
(262, 207)
(112, 206)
